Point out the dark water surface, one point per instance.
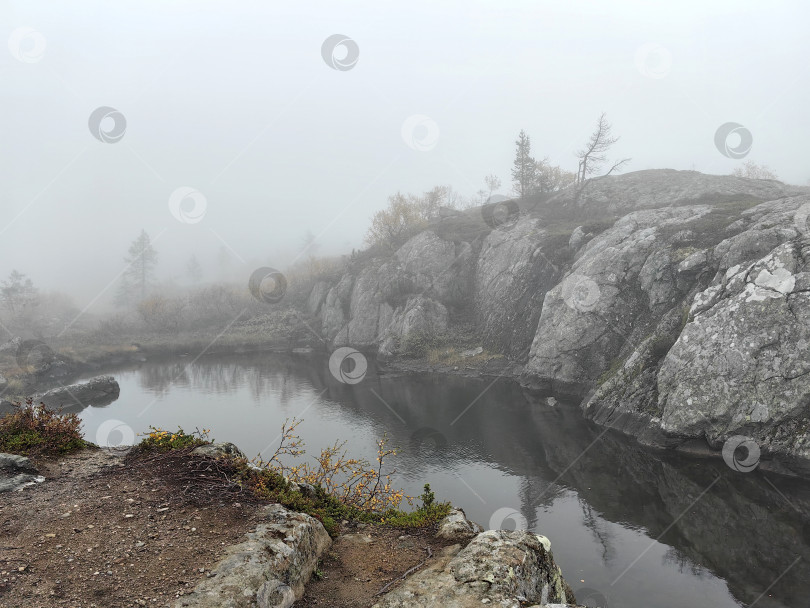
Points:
(646, 529)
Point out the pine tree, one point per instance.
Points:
(139, 275)
(524, 168)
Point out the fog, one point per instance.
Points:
(236, 101)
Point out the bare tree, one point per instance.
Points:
(493, 182)
(594, 155)
(752, 170)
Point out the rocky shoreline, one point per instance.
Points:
(270, 566)
(681, 319)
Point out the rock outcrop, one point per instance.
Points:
(656, 188)
(741, 366)
(512, 277)
(677, 316)
(498, 567)
(619, 283)
(730, 359)
(269, 569)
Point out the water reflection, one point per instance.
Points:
(603, 499)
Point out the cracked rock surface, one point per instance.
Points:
(499, 567)
(269, 569)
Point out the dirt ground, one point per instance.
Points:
(107, 531)
(110, 530)
(363, 561)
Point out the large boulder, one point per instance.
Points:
(269, 569)
(512, 276)
(437, 268)
(742, 365)
(621, 283)
(409, 292)
(499, 567)
(98, 391)
(723, 361)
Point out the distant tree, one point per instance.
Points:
(194, 270)
(550, 178)
(139, 275)
(752, 170)
(594, 155)
(524, 166)
(390, 227)
(428, 204)
(18, 294)
(493, 182)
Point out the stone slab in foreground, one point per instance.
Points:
(270, 569)
(17, 472)
(501, 568)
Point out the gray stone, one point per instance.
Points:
(307, 489)
(419, 316)
(656, 188)
(622, 278)
(269, 569)
(98, 391)
(17, 472)
(512, 276)
(742, 366)
(498, 567)
(738, 365)
(317, 297)
(455, 526)
(219, 450)
(14, 463)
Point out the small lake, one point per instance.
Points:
(642, 528)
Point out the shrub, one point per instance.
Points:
(162, 314)
(355, 482)
(164, 441)
(34, 430)
(343, 488)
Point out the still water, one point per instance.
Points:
(640, 528)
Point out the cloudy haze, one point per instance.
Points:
(234, 100)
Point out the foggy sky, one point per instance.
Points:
(234, 100)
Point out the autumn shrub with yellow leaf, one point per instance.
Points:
(341, 487)
(163, 441)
